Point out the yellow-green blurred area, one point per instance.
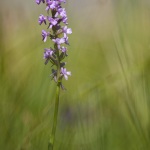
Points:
(107, 102)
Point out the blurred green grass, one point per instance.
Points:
(106, 105)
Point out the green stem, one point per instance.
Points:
(52, 137)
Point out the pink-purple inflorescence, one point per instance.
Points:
(58, 34)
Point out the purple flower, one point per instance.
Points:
(64, 20)
(66, 30)
(59, 41)
(61, 12)
(65, 73)
(55, 20)
(66, 39)
(45, 35)
(48, 53)
(51, 4)
(63, 49)
(52, 21)
(39, 1)
(42, 19)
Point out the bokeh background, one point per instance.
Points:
(107, 102)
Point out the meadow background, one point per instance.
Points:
(107, 102)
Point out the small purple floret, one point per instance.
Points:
(64, 20)
(45, 35)
(66, 39)
(42, 19)
(52, 21)
(51, 4)
(48, 53)
(65, 73)
(63, 49)
(61, 12)
(66, 30)
(59, 41)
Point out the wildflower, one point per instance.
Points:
(65, 73)
(48, 53)
(63, 49)
(52, 21)
(66, 30)
(45, 35)
(42, 19)
(61, 12)
(59, 41)
(64, 20)
(66, 39)
(51, 4)
(58, 34)
(58, 53)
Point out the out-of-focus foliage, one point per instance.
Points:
(106, 105)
